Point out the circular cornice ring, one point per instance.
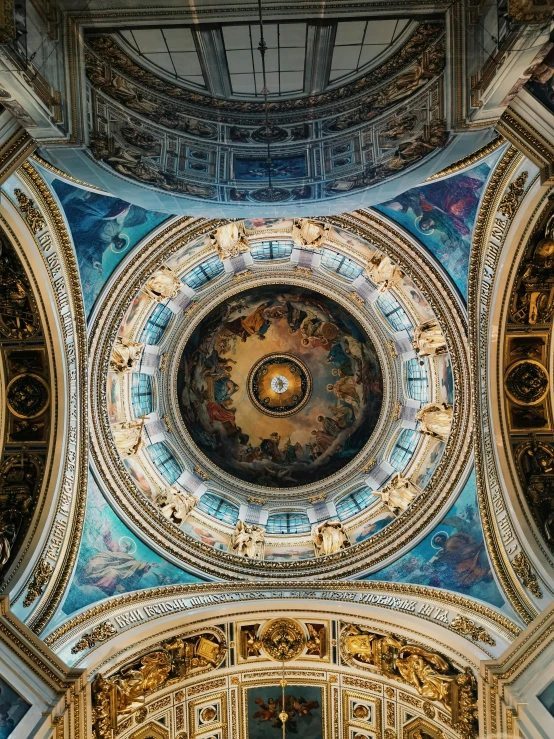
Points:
(366, 556)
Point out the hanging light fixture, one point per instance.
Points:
(268, 132)
(283, 715)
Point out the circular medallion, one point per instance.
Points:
(526, 382)
(279, 385)
(283, 640)
(28, 396)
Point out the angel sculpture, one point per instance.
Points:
(230, 240)
(329, 537)
(163, 284)
(308, 234)
(128, 436)
(383, 272)
(126, 355)
(248, 541)
(435, 420)
(398, 493)
(176, 505)
(428, 340)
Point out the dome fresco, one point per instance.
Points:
(299, 344)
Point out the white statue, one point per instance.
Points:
(398, 493)
(126, 355)
(309, 234)
(248, 541)
(128, 436)
(230, 240)
(329, 537)
(176, 505)
(163, 284)
(383, 272)
(435, 420)
(428, 339)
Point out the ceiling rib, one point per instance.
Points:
(213, 59)
(319, 55)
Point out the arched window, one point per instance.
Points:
(164, 461)
(288, 523)
(141, 394)
(335, 262)
(404, 449)
(354, 503)
(156, 324)
(394, 312)
(205, 272)
(417, 381)
(265, 250)
(219, 508)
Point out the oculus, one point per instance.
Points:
(279, 386)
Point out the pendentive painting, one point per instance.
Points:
(280, 386)
(303, 705)
(12, 709)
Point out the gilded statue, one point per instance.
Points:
(383, 272)
(126, 691)
(430, 673)
(126, 355)
(176, 504)
(398, 494)
(435, 419)
(428, 339)
(329, 537)
(309, 234)
(248, 541)
(128, 436)
(163, 284)
(230, 240)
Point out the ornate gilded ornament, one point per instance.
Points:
(279, 385)
(510, 201)
(526, 382)
(535, 460)
(100, 633)
(283, 639)
(522, 568)
(27, 396)
(467, 627)
(329, 537)
(41, 577)
(33, 215)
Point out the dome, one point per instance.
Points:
(279, 386)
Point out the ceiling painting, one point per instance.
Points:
(279, 386)
(302, 703)
(453, 556)
(104, 230)
(441, 215)
(113, 560)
